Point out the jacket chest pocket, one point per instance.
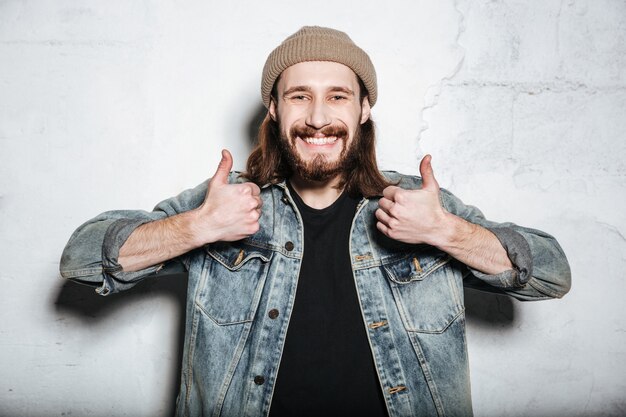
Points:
(426, 291)
(232, 282)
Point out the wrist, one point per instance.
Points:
(452, 232)
(191, 222)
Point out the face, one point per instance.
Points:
(319, 112)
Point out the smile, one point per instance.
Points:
(320, 141)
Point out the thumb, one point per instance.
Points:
(428, 176)
(223, 169)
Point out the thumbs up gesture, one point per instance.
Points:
(413, 216)
(230, 211)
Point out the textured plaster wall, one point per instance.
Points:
(120, 104)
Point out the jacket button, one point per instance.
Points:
(289, 246)
(259, 380)
(273, 313)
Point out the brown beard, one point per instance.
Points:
(319, 169)
(268, 163)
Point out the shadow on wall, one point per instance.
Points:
(81, 302)
(255, 119)
(489, 310)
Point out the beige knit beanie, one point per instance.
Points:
(314, 43)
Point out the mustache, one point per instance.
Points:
(305, 131)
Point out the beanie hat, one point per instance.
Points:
(314, 43)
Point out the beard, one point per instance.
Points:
(320, 169)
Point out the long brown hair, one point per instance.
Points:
(267, 164)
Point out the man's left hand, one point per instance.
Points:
(413, 216)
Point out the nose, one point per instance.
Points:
(318, 115)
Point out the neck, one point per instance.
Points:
(316, 194)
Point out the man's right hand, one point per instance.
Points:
(230, 211)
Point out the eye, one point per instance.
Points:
(338, 98)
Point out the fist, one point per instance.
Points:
(413, 216)
(230, 211)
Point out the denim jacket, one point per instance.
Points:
(411, 299)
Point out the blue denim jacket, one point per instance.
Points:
(411, 299)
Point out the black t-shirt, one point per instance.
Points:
(327, 367)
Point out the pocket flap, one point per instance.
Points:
(234, 255)
(415, 267)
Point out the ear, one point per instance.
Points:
(365, 110)
(272, 109)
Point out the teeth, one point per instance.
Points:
(320, 141)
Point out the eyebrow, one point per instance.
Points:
(304, 88)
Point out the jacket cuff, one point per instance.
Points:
(115, 279)
(518, 251)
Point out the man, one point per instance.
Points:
(317, 284)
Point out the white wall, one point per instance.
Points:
(117, 104)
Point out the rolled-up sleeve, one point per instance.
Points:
(91, 254)
(540, 267)
(519, 254)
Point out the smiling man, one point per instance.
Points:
(319, 285)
